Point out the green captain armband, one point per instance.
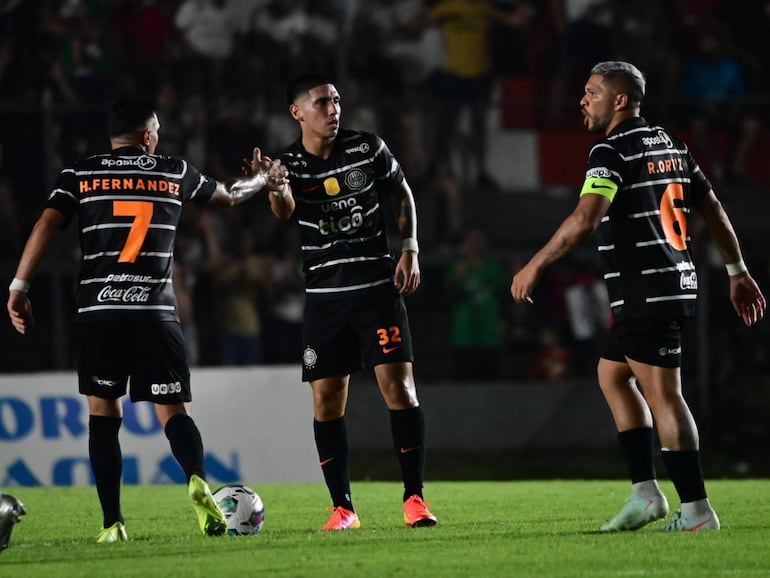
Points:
(599, 186)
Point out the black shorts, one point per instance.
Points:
(343, 335)
(150, 353)
(652, 341)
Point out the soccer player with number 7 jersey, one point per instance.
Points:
(640, 187)
(128, 203)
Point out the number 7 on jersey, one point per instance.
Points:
(142, 213)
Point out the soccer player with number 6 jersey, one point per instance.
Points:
(640, 187)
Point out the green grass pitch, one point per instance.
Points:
(486, 529)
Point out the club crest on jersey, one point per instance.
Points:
(309, 357)
(332, 186)
(355, 179)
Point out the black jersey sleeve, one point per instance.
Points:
(387, 169)
(604, 174)
(196, 186)
(64, 196)
(605, 162)
(699, 182)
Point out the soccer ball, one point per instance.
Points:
(243, 509)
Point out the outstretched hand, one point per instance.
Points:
(747, 298)
(277, 175)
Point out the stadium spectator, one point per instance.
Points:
(239, 279)
(285, 298)
(584, 32)
(230, 136)
(476, 282)
(209, 35)
(464, 81)
(715, 87)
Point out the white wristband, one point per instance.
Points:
(410, 244)
(19, 285)
(283, 192)
(736, 268)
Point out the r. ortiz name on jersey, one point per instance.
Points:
(128, 205)
(342, 225)
(652, 181)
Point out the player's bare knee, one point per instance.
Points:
(399, 394)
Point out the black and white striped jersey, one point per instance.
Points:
(341, 207)
(643, 241)
(128, 205)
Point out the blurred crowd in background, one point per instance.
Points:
(425, 75)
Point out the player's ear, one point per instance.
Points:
(621, 101)
(295, 112)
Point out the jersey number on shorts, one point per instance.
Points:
(672, 215)
(142, 213)
(389, 335)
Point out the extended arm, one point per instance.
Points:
(265, 173)
(575, 229)
(745, 295)
(407, 275)
(19, 308)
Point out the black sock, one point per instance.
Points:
(186, 444)
(638, 449)
(408, 429)
(106, 464)
(331, 441)
(686, 474)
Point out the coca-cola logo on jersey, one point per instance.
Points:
(133, 294)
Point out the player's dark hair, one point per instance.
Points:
(629, 76)
(129, 116)
(304, 83)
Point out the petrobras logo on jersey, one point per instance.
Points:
(598, 173)
(362, 148)
(660, 138)
(345, 224)
(144, 162)
(128, 278)
(355, 179)
(688, 281)
(133, 294)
